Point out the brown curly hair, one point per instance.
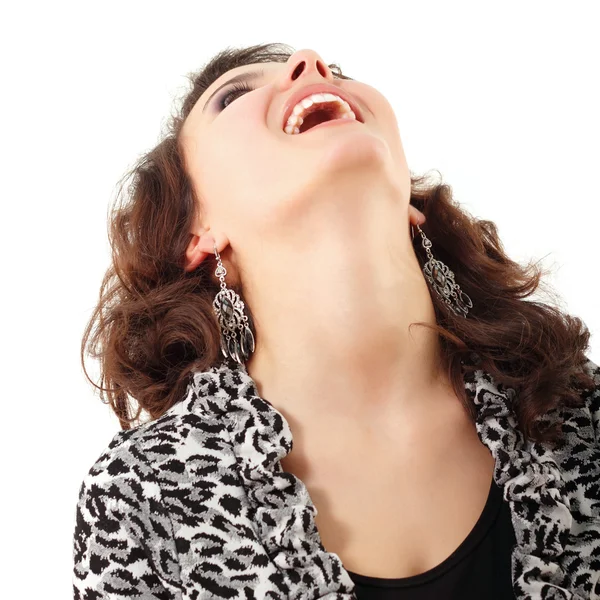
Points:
(154, 323)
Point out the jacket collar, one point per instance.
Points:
(542, 486)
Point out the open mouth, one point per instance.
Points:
(318, 116)
(322, 114)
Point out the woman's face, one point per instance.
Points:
(253, 179)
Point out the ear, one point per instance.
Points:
(416, 217)
(198, 249)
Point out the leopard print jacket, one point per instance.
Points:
(195, 505)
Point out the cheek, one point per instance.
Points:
(234, 171)
(386, 122)
(380, 116)
(244, 154)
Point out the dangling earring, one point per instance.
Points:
(442, 280)
(237, 340)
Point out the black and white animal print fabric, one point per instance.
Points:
(196, 506)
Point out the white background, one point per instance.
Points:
(502, 98)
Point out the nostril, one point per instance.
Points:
(322, 68)
(298, 71)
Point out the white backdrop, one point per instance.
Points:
(502, 98)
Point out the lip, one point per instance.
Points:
(317, 88)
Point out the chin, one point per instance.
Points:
(355, 150)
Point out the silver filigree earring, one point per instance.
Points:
(237, 340)
(442, 280)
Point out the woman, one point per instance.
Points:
(444, 429)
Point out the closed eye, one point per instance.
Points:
(233, 92)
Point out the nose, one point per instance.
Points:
(307, 64)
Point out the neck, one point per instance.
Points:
(333, 308)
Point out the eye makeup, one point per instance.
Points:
(235, 91)
(240, 78)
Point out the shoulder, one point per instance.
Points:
(581, 424)
(156, 448)
(143, 486)
(138, 463)
(578, 453)
(592, 397)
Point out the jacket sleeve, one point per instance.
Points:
(120, 549)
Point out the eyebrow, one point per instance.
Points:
(241, 77)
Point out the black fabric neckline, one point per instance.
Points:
(486, 520)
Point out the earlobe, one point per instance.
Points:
(191, 257)
(416, 217)
(198, 249)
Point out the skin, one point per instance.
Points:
(317, 229)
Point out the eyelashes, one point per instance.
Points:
(233, 91)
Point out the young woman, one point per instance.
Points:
(383, 415)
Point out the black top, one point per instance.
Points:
(479, 568)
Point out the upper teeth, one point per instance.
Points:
(295, 119)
